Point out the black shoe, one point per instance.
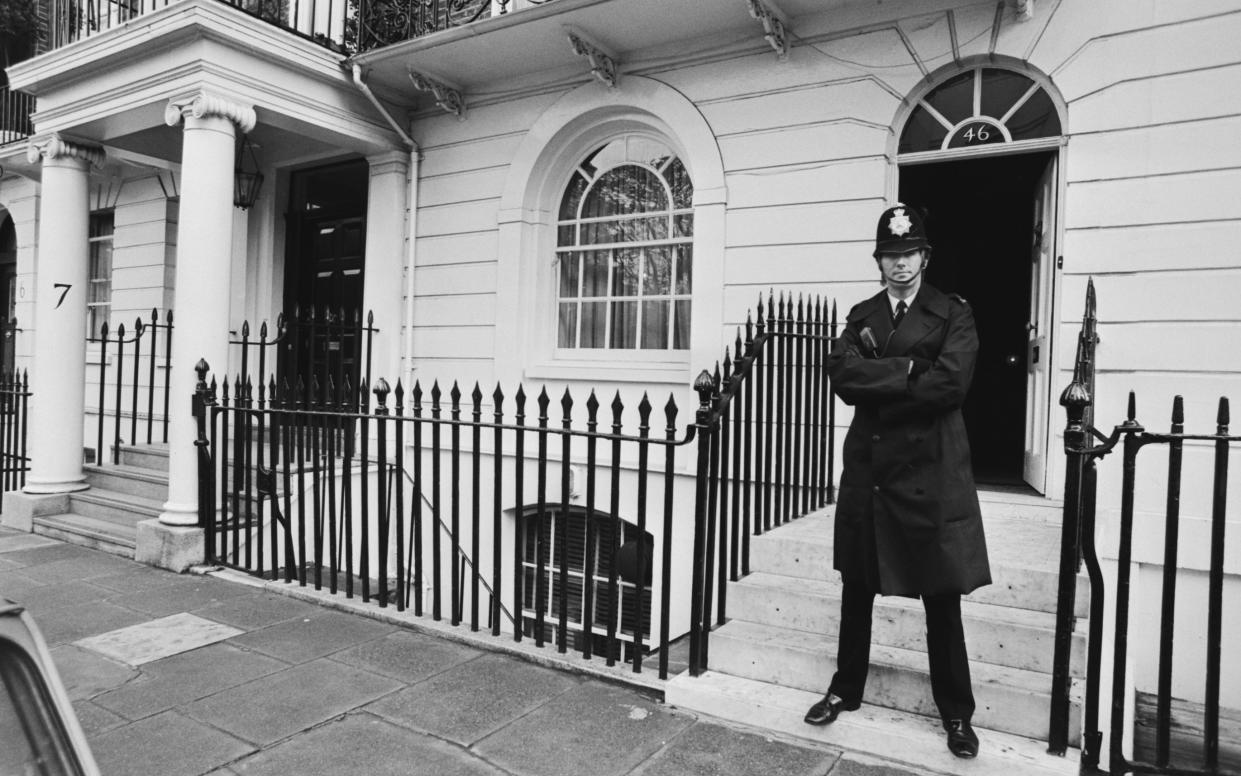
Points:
(825, 711)
(962, 740)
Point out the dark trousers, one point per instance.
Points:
(945, 642)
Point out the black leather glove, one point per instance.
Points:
(919, 366)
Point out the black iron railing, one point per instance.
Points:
(569, 527)
(136, 361)
(766, 447)
(313, 343)
(1084, 445)
(15, 110)
(347, 26)
(14, 398)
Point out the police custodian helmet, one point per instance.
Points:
(900, 230)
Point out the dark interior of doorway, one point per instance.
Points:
(324, 271)
(980, 222)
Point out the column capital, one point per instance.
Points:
(56, 147)
(205, 104)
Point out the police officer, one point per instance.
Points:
(907, 516)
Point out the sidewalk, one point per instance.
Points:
(231, 679)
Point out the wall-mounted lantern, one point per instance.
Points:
(247, 180)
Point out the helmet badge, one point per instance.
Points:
(899, 225)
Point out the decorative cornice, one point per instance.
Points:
(774, 30)
(602, 63)
(448, 97)
(56, 147)
(206, 104)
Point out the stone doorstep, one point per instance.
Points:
(88, 532)
(910, 739)
(1021, 638)
(1009, 699)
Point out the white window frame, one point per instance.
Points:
(93, 309)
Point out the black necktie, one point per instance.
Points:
(901, 308)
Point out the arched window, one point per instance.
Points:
(631, 608)
(625, 250)
(979, 107)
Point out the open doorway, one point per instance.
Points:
(990, 222)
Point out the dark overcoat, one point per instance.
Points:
(907, 517)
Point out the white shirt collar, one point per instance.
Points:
(909, 303)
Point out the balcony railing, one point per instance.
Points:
(15, 110)
(347, 26)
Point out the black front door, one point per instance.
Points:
(979, 219)
(324, 272)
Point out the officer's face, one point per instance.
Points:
(902, 270)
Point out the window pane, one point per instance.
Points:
(624, 190)
(685, 269)
(594, 319)
(655, 325)
(627, 230)
(680, 332)
(648, 151)
(625, 272)
(954, 98)
(595, 273)
(683, 225)
(657, 280)
(572, 197)
(678, 180)
(568, 274)
(565, 235)
(922, 132)
(567, 336)
(1036, 118)
(624, 325)
(1000, 90)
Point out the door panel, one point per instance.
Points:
(1038, 373)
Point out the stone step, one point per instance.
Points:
(911, 739)
(154, 457)
(1006, 636)
(87, 532)
(123, 509)
(1011, 700)
(803, 549)
(131, 480)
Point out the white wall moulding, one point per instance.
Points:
(447, 97)
(775, 29)
(603, 64)
(56, 147)
(206, 104)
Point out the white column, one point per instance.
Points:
(61, 281)
(385, 252)
(204, 247)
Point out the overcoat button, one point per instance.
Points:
(875, 438)
(876, 489)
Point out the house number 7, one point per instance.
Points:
(64, 291)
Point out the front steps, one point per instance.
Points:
(105, 517)
(775, 655)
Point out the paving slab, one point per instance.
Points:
(72, 623)
(314, 636)
(85, 674)
(409, 657)
(46, 553)
(276, 706)
(15, 586)
(158, 639)
(713, 750)
(257, 610)
(167, 744)
(71, 569)
(12, 541)
(185, 678)
(138, 577)
(42, 596)
(180, 594)
(860, 765)
(95, 719)
(595, 728)
(474, 699)
(364, 744)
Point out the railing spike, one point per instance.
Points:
(670, 412)
(617, 405)
(592, 404)
(497, 396)
(245, 328)
(566, 401)
(477, 394)
(644, 409)
(263, 330)
(120, 332)
(455, 393)
(168, 317)
(1178, 410)
(1133, 406)
(1223, 416)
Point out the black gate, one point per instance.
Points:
(1172, 751)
